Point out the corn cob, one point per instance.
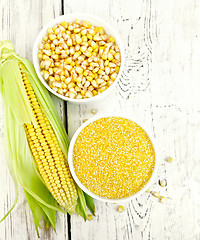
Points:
(36, 143)
(47, 153)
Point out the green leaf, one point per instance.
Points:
(81, 208)
(90, 203)
(36, 211)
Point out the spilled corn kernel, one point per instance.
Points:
(163, 183)
(113, 157)
(120, 209)
(93, 111)
(155, 194)
(90, 217)
(169, 159)
(85, 120)
(162, 199)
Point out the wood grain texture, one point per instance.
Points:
(160, 86)
(21, 22)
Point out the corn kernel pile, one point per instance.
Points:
(113, 157)
(78, 60)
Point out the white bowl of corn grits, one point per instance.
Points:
(113, 158)
(70, 69)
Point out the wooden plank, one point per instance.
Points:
(21, 22)
(160, 86)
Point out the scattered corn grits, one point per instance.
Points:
(113, 157)
(78, 60)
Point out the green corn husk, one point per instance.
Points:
(19, 157)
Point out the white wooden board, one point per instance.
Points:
(160, 86)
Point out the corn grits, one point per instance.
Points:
(113, 157)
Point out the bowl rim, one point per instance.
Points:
(104, 199)
(71, 17)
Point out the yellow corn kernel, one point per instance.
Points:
(100, 30)
(113, 76)
(68, 60)
(117, 69)
(94, 45)
(102, 89)
(71, 85)
(77, 89)
(100, 71)
(110, 57)
(88, 94)
(73, 63)
(162, 199)
(88, 54)
(117, 56)
(40, 56)
(79, 70)
(104, 56)
(89, 36)
(49, 30)
(64, 24)
(90, 49)
(79, 40)
(90, 217)
(57, 50)
(83, 48)
(57, 77)
(97, 38)
(57, 31)
(82, 92)
(52, 37)
(69, 67)
(94, 83)
(85, 73)
(45, 38)
(77, 21)
(155, 194)
(47, 46)
(84, 39)
(70, 27)
(72, 95)
(55, 56)
(89, 78)
(86, 24)
(69, 42)
(94, 92)
(77, 30)
(169, 159)
(78, 80)
(57, 64)
(85, 120)
(106, 63)
(84, 32)
(81, 58)
(77, 54)
(120, 209)
(112, 39)
(45, 57)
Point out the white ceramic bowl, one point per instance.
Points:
(69, 18)
(93, 195)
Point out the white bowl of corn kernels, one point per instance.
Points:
(113, 158)
(78, 57)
